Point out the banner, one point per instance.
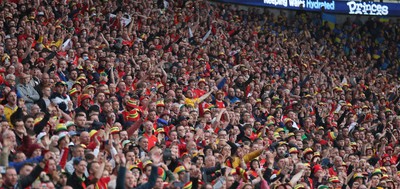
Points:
(329, 6)
(330, 19)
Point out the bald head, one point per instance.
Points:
(171, 93)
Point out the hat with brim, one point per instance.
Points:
(160, 103)
(69, 124)
(377, 172)
(62, 136)
(131, 103)
(358, 175)
(384, 177)
(307, 150)
(61, 127)
(160, 130)
(40, 136)
(92, 133)
(316, 155)
(287, 120)
(125, 142)
(85, 96)
(323, 187)
(133, 115)
(202, 81)
(61, 83)
(132, 167)
(293, 150)
(179, 169)
(334, 179)
(299, 186)
(89, 87)
(278, 130)
(114, 130)
(81, 78)
(74, 91)
(73, 133)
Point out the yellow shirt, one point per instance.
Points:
(192, 102)
(247, 158)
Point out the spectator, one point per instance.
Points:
(196, 94)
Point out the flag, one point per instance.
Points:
(125, 20)
(190, 33)
(67, 45)
(206, 36)
(330, 19)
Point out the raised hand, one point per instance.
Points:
(156, 156)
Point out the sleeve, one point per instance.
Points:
(35, 95)
(170, 176)
(195, 183)
(18, 165)
(41, 104)
(250, 156)
(26, 143)
(4, 158)
(18, 114)
(235, 185)
(24, 95)
(221, 83)
(341, 118)
(267, 175)
(121, 178)
(134, 127)
(28, 180)
(304, 81)
(69, 168)
(319, 119)
(92, 145)
(39, 127)
(64, 157)
(152, 179)
(249, 80)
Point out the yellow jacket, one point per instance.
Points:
(247, 158)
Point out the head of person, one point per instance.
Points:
(78, 151)
(26, 169)
(130, 180)
(80, 166)
(10, 177)
(80, 119)
(93, 167)
(143, 143)
(11, 98)
(24, 78)
(60, 87)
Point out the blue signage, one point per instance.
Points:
(330, 6)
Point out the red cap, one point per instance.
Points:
(85, 96)
(40, 60)
(317, 168)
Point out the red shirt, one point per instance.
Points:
(103, 183)
(219, 104)
(152, 140)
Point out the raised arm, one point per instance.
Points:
(202, 98)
